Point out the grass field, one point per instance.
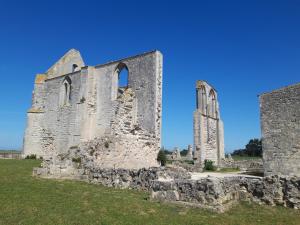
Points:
(28, 200)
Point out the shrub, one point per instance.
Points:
(76, 160)
(183, 152)
(32, 156)
(209, 165)
(161, 157)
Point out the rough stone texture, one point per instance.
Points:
(189, 154)
(280, 124)
(250, 166)
(219, 193)
(8, 155)
(208, 126)
(81, 111)
(176, 154)
(176, 185)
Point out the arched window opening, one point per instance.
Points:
(65, 92)
(213, 104)
(202, 100)
(74, 68)
(120, 80)
(123, 77)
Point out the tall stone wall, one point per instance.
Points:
(86, 114)
(208, 126)
(280, 124)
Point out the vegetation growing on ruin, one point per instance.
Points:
(209, 165)
(29, 200)
(162, 158)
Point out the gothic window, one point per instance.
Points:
(65, 92)
(120, 80)
(74, 68)
(213, 104)
(202, 100)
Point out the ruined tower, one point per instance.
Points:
(280, 126)
(208, 126)
(85, 112)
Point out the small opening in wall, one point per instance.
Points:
(74, 68)
(66, 97)
(65, 92)
(213, 106)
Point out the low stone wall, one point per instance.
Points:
(8, 155)
(219, 193)
(250, 166)
(176, 185)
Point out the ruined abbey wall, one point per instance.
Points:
(82, 109)
(280, 124)
(208, 126)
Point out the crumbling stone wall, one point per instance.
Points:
(81, 111)
(219, 193)
(249, 166)
(208, 126)
(176, 185)
(280, 124)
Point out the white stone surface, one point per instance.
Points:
(74, 106)
(208, 126)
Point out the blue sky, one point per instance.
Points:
(242, 48)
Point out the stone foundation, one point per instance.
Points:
(249, 166)
(177, 185)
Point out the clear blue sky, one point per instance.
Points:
(242, 48)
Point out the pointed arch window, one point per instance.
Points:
(120, 80)
(65, 92)
(202, 99)
(74, 68)
(213, 104)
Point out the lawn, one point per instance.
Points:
(28, 200)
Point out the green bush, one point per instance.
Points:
(209, 165)
(76, 160)
(161, 157)
(32, 156)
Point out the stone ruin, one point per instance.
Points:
(176, 154)
(189, 155)
(280, 125)
(208, 126)
(82, 115)
(88, 127)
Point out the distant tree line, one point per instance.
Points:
(253, 148)
(183, 152)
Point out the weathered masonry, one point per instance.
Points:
(208, 126)
(280, 125)
(78, 108)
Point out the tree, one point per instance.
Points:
(183, 152)
(253, 148)
(161, 157)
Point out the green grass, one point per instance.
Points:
(239, 158)
(28, 200)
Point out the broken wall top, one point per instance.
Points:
(69, 63)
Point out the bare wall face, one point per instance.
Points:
(88, 108)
